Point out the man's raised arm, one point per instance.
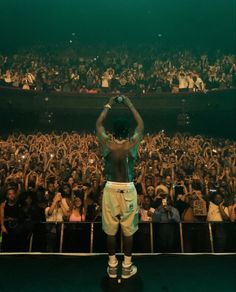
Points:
(140, 125)
(99, 124)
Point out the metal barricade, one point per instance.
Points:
(88, 237)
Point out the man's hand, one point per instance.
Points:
(127, 101)
(111, 100)
(57, 198)
(221, 204)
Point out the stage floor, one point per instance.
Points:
(57, 273)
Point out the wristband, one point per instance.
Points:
(107, 106)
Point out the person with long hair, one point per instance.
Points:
(77, 213)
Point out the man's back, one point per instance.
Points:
(119, 162)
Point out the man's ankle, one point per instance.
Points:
(127, 261)
(112, 261)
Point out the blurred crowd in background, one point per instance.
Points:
(141, 69)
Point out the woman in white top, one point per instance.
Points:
(54, 213)
(56, 210)
(217, 212)
(183, 82)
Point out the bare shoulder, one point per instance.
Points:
(136, 138)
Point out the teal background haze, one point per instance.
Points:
(186, 23)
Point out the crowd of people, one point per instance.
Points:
(143, 69)
(56, 178)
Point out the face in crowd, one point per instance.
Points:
(146, 203)
(51, 187)
(11, 195)
(151, 191)
(217, 199)
(77, 203)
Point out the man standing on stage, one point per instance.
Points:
(119, 205)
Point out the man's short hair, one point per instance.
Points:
(121, 128)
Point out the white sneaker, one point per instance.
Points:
(129, 271)
(112, 270)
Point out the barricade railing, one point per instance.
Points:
(88, 237)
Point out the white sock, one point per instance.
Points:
(112, 260)
(127, 261)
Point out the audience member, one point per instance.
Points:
(189, 169)
(144, 69)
